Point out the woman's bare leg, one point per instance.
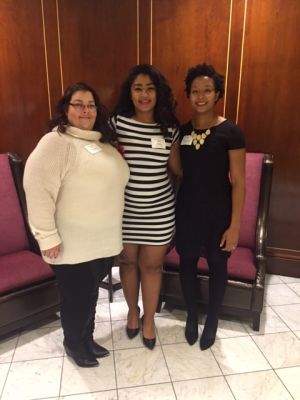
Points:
(130, 279)
(150, 263)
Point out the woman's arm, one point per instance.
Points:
(174, 164)
(237, 174)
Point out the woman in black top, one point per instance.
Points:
(210, 199)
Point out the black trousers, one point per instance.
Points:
(79, 286)
(217, 263)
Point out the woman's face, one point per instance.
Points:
(143, 94)
(82, 111)
(203, 96)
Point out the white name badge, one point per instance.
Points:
(187, 140)
(158, 143)
(92, 148)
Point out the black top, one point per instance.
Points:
(203, 209)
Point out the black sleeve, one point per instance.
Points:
(235, 138)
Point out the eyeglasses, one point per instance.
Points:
(81, 107)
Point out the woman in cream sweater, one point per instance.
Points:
(74, 182)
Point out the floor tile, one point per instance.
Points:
(169, 310)
(171, 329)
(272, 279)
(269, 323)
(39, 343)
(3, 374)
(107, 395)
(85, 380)
(280, 294)
(162, 391)
(264, 385)
(102, 334)
(204, 389)
(291, 380)
(102, 312)
(289, 279)
(7, 348)
(295, 287)
(290, 314)
(281, 349)
(189, 362)
(33, 379)
(297, 333)
(119, 309)
(138, 367)
(120, 338)
(237, 355)
(230, 328)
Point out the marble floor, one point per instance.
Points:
(242, 364)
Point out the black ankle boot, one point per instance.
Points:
(96, 350)
(208, 336)
(81, 356)
(191, 330)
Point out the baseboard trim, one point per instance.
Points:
(284, 262)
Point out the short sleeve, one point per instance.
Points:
(113, 121)
(236, 138)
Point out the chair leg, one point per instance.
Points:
(256, 321)
(158, 308)
(110, 287)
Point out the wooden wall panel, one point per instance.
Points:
(269, 109)
(98, 43)
(23, 81)
(187, 34)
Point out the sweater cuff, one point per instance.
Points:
(49, 242)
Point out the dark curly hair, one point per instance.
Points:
(204, 70)
(61, 120)
(164, 110)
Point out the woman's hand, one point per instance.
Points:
(51, 253)
(229, 239)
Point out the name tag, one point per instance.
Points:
(92, 148)
(187, 140)
(158, 143)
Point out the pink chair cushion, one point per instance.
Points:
(240, 264)
(254, 163)
(22, 269)
(12, 229)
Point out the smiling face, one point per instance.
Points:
(143, 95)
(203, 96)
(82, 118)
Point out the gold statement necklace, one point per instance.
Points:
(199, 138)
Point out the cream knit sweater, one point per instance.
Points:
(74, 188)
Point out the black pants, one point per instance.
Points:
(79, 286)
(217, 264)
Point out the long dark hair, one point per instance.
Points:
(61, 120)
(164, 110)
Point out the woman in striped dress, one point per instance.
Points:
(146, 126)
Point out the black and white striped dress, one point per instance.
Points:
(149, 214)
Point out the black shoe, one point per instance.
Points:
(82, 357)
(149, 343)
(191, 330)
(96, 350)
(133, 332)
(208, 336)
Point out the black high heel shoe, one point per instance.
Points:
(133, 332)
(149, 343)
(208, 336)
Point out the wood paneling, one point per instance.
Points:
(98, 43)
(23, 80)
(269, 111)
(193, 32)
